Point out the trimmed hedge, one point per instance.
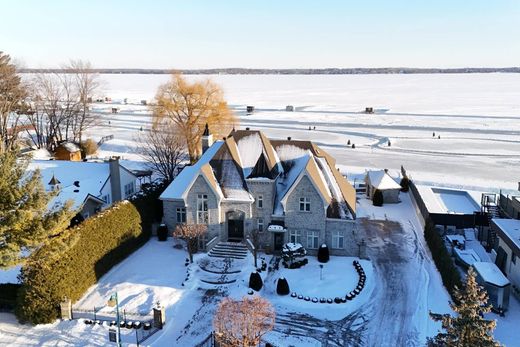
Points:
(255, 281)
(75, 260)
(449, 273)
(282, 287)
(377, 198)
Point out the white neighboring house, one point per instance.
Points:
(381, 180)
(508, 247)
(91, 186)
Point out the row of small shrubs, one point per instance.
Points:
(75, 260)
(441, 257)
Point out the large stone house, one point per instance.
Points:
(287, 190)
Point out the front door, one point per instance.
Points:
(278, 241)
(235, 226)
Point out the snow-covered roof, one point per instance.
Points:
(491, 273)
(247, 156)
(187, 176)
(443, 200)
(381, 180)
(509, 232)
(78, 180)
(70, 146)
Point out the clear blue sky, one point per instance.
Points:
(262, 33)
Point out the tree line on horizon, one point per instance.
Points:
(310, 71)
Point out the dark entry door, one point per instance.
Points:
(235, 230)
(278, 241)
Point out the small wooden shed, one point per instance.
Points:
(68, 151)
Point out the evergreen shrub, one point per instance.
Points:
(255, 281)
(75, 260)
(323, 254)
(282, 286)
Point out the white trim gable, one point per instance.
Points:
(289, 192)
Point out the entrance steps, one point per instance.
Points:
(234, 250)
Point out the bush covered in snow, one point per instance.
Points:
(292, 254)
(282, 286)
(73, 261)
(323, 254)
(255, 281)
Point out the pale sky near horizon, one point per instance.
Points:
(262, 34)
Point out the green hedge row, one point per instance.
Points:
(72, 262)
(449, 273)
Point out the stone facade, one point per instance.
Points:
(312, 228)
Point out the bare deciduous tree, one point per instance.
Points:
(191, 106)
(60, 104)
(190, 233)
(163, 148)
(12, 101)
(243, 322)
(87, 84)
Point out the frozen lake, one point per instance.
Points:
(475, 118)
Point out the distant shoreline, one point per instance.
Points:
(324, 71)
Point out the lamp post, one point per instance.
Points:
(114, 297)
(321, 272)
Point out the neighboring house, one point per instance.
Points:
(248, 182)
(508, 247)
(381, 180)
(68, 151)
(91, 186)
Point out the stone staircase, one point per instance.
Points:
(234, 250)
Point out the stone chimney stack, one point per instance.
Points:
(115, 179)
(207, 139)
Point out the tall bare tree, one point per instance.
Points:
(163, 148)
(61, 104)
(12, 102)
(190, 106)
(190, 233)
(243, 322)
(87, 85)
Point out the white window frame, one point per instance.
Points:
(338, 240)
(295, 236)
(305, 204)
(260, 224)
(202, 209)
(260, 201)
(180, 212)
(313, 239)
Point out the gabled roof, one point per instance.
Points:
(248, 154)
(381, 180)
(181, 183)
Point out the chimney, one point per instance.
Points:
(207, 139)
(115, 179)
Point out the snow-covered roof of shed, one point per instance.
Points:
(180, 184)
(71, 147)
(491, 273)
(510, 228)
(381, 180)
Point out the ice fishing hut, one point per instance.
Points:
(494, 282)
(250, 109)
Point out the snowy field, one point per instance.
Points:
(477, 117)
